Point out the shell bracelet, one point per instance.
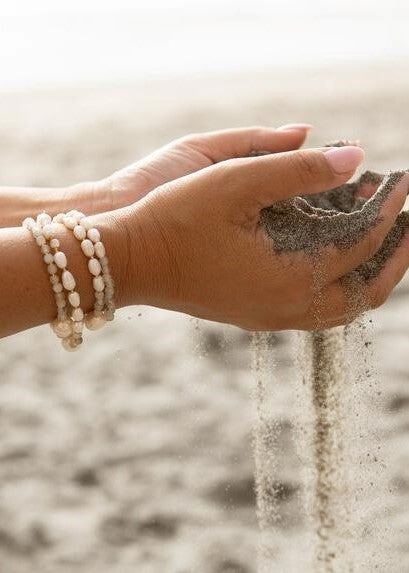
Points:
(70, 320)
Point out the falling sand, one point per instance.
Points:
(337, 218)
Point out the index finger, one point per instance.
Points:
(368, 227)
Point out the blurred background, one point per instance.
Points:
(135, 454)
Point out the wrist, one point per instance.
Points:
(141, 260)
(111, 225)
(89, 197)
(17, 203)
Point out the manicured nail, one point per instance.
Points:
(344, 159)
(295, 127)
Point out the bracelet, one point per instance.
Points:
(68, 282)
(62, 324)
(102, 281)
(69, 324)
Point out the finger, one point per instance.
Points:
(271, 178)
(241, 142)
(337, 304)
(379, 288)
(335, 262)
(342, 300)
(368, 184)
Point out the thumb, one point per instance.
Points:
(272, 178)
(240, 142)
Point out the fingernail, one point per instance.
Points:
(344, 159)
(295, 127)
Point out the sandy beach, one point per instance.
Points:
(135, 454)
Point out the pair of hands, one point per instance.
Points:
(195, 244)
(182, 229)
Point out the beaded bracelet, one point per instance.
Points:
(94, 250)
(70, 329)
(61, 325)
(64, 327)
(68, 282)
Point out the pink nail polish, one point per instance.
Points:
(295, 127)
(344, 159)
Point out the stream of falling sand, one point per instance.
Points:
(339, 218)
(326, 375)
(327, 502)
(265, 434)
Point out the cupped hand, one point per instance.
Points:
(197, 245)
(193, 152)
(181, 157)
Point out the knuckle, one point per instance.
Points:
(226, 171)
(196, 141)
(189, 138)
(258, 129)
(307, 167)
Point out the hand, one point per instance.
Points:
(194, 152)
(196, 245)
(181, 157)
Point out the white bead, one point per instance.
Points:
(94, 235)
(60, 260)
(61, 304)
(57, 287)
(49, 230)
(52, 268)
(99, 249)
(86, 223)
(94, 267)
(93, 322)
(48, 258)
(62, 314)
(62, 328)
(109, 315)
(45, 249)
(36, 230)
(68, 345)
(28, 222)
(68, 280)
(79, 232)
(104, 261)
(40, 240)
(87, 248)
(78, 327)
(59, 218)
(54, 243)
(72, 213)
(109, 292)
(77, 314)
(69, 222)
(74, 299)
(99, 296)
(98, 283)
(43, 219)
(54, 279)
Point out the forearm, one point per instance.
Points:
(17, 203)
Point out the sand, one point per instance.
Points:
(339, 218)
(138, 456)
